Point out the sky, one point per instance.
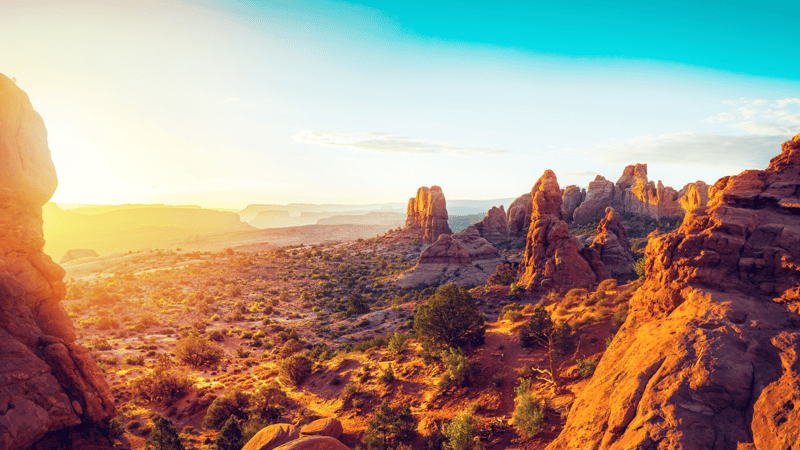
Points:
(223, 104)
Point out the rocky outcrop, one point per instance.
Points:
(519, 219)
(272, 436)
(428, 211)
(323, 427)
(708, 355)
(321, 434)
(613, 246)
(693, 195)
(571, 198)
(599, 196)
(553, 258)
(77, 254)
(464, 259)
(494, 227)
(313, 443)
(47, 382)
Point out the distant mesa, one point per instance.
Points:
(428, 212)
(554, 260)
(709, 356)
(72, 255)
(47, 382)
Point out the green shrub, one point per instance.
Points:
(639, 267)
(449, 317)
(458, 370)
(573, 297)
(398, 343)
(134, 360)
(387, 430)
(163, 385)
(460, 432)
(607, 285)
(295, 369)
(586, 367)
(538, 329)
(163, 436)
(529, 413)
(387, 375)
(102, 345)
(620, 316)
(232, 403)
(198, 352)
(230, 436)
(511, 312)
(504, 275)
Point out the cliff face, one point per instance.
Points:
(613, 245)
(708, 357)
(47, 382)
(428, 210)
(553, 258)
(493, 227)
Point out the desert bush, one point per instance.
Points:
(230, 436)
(594, 298)
(398, 343)
(107, 323)
(198, 352)
(573, 297)
(102, 345)
(233, 402)
(529, 413)
(164, 384)
(458, 370)
(511, 312)
(387, 375)
(607, 285)
(134, 360)
(586, 367)
(460, 432)
(450, 317)
(387, 430)
(296, 368)
(639, 267)
(504, 275)
(538, 328)
(620, 316)
(163, 436)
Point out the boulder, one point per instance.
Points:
(465, 259)
(553, 259)
(47, 382)
(76, 254)
(571, 198)
(272, 436)
(599, 196)
(708, 355)
(428, 212)
(323, 427)
(613, 246)
(494, 227)
(313, 443)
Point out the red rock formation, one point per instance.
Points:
(634, 194)
(708, 355)
(599, 196)
(494, 227)
(47, 382)
(553, 259)
(571, 198)
(464, 259)
(519, 219)
(428, 211)
(613, 246)
(693, 195)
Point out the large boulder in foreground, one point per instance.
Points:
(47, 382)
(465, 259)
(708, 357)
(428, 211)
(554, 260)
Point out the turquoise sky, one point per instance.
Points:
(273, 102)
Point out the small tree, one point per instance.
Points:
(529, 413)
(197, 352)
(504, 275)
(386, 429)
(460, 431)
(230, 436)
(164, 436)
(232, 403)
(449, 317)
(296, 368)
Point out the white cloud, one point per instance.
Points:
(764, 117)
(388, 143)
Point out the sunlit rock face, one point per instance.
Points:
(47, 382)
(554, 260)
(428, 211)
(708, 357)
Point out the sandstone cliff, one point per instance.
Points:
(519, 219)
(494, 227)
(428, 211)
(599, 196)
(47, 382)
(613, 245)
(553, 258)
(571, 198)
(693, 195)
(465, 259)
(708, 357)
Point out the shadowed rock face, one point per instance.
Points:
(493, 227)
(708, 357)
(46, 381)
(519, 219)
(613, 245)
(428, 210)
(553, 257)
(571, 198)
(599, 196)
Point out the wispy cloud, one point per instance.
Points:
(388, 143)
(762, 117)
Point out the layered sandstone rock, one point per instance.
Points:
(693, 195)
(331, 427)
(571, 198)
(47, 382)
(599, 196)
(273, 436)
(494, 227)
(708, 355)
(428, 211)
(519, 219)
(553, 258)
(613, 246)
(464, 259)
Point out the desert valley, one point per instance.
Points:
(624, 315)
